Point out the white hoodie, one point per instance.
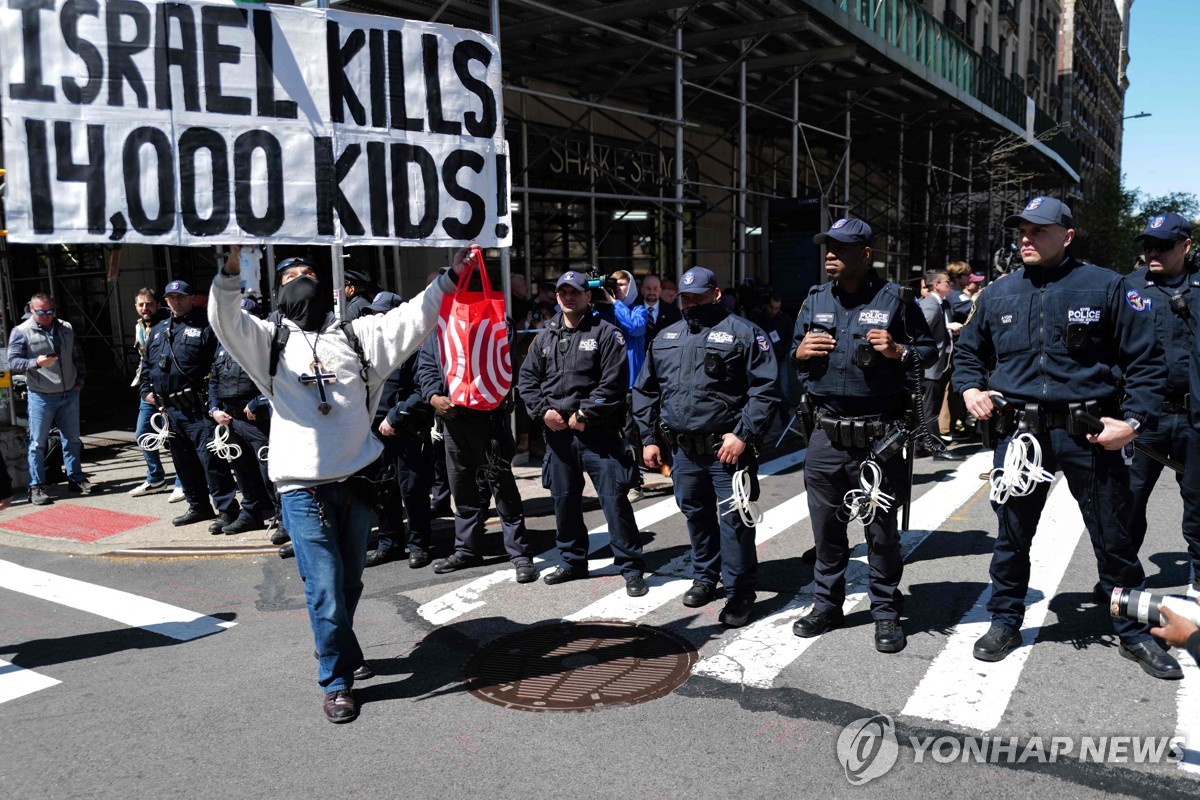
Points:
(308, 448)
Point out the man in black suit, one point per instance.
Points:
(658, 314)
(936, 377)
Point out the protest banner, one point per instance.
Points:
(184, 123)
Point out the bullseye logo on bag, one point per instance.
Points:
(874, 316)
(867, 748)
(1083, 315)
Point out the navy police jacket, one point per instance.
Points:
(179, 355)
(402, 405)
(1174, 331)
(720, 380)
(1016, 342)
(835, 382)
(581, 369)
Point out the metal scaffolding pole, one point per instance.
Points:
(795, 137)
(740, 222)
(901, 236)
(526, 208)
(505, 265)
(679, 218)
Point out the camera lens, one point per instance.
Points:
(1142, 606)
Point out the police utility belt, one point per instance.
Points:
(1177, 405)
(694, 444)
(858, 432)
(1043, 417)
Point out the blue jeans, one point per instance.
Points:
(154, 466)
(47, 411)
(329, 526)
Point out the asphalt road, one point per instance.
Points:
(236, 713)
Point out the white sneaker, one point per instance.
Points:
(636, 494)
(176, 496)
(147, 488)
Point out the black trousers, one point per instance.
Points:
(201, 473)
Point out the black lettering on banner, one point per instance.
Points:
(40, 198)
(341, 93)
(330, 175)
(34, 88)
(264, 41)
(395, 53)
(377, 187)
(183, 57)
(464, 53)
(243, 160)
(68, 21)
(433, 89)
(192, 142)
(120, 53)
(378, 79)
(501, 193)
(90, 174)
(473, 161)
(403, 195)
(132, 167)
(212, 19)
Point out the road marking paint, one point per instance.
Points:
(470, 596)
(17, 681)
(962, 690)
(761, 650)
(128, 609)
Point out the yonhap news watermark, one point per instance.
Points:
(868, 748)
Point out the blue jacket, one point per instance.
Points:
(720, 380)
(631, 321)
(179, 355)
(1174, 332)
(836, 382)
(591, 376)
(1016, 341)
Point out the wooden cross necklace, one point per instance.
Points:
(320, 376)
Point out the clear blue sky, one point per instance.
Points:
(1160, 153)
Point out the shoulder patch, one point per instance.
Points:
(620, 337)
(763, 344)
(1136, 301)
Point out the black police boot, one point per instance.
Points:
(418, 558)
(997, 642)
(736, 612)
(382, 556)
(195, 514)
(280, 536)
(889, 636)
(245, 522)
(223, 519)
(635, 585)
(564, 574)
(1153, 660)
(526, 571)
(286, 551)
(815, 622)
(701, 594)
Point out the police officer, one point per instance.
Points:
(402, 423)
(858, 345)
(234, 401)
(575, 379)
(359, 289)
(708, 386)
(1050, 338)
(178, 358)
(1171, 285)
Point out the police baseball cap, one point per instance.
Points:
(178, 287)
(1043, 211)
(697, 280)
(385, 302)
(576, 280)
(846, 230)
(355, 278)
(1168, 227)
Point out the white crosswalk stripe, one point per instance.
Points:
(123, 607)
(468, 597)
(964, 691)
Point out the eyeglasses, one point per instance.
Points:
(1158, 246)
(44, 312)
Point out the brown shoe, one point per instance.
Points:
(340, 706)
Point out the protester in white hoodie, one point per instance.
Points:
(323, 397)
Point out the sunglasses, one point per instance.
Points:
(1157, 246)
(46, 312)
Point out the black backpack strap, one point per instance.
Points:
(364, 365)
(278, 340)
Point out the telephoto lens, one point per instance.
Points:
(1143, 606)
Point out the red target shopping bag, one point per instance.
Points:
(473, 341)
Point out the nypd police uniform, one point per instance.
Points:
(710, 374)
(583, 371)
(1171, 299)
(1054, 340)
(230, 390)
(178, 357)
(858, 398)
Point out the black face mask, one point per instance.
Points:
(304, 302)
(704, 316)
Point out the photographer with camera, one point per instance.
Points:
(857, 344)
(1168, 283)
(179, 355)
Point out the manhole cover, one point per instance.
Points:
(580, 667)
